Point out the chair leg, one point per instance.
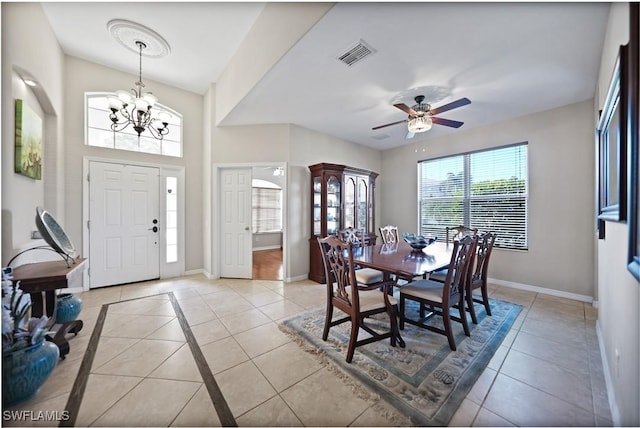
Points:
(355, 327)
(463, 317)
(327, 321)
(447, 328)
(472, 310)
(485, 299)
(401, 312)
(393, 318)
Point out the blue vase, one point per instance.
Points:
(68, 308)
(25, 370)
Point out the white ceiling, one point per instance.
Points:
(509, 59)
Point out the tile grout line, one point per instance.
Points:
(222, 408)
(80, 384)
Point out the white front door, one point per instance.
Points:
(123, 224)
(236, 252)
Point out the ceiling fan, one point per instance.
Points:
(422, 116)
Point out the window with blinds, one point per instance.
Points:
(485, 190)
(267, 210)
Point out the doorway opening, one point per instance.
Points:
(267, 264)
(265, 232)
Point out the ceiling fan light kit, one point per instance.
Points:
(136, 107)
(422, 116)
(419, 124)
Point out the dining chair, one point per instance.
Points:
(356, 237)
(389, 234)
(478, 279)
(356, 300)
(441, 297)
(459, 232)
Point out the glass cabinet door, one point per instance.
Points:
(349, 203)
(333, 205)
(317, 206)
(363, 205)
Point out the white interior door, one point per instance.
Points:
(123, 223)
(236, 256)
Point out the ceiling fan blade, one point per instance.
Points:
(389, 124)
(405, 108)
(409, 135)
(447, 122)
(455, 104)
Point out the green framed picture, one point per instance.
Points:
(28, 141)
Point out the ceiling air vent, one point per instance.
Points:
(357, 53)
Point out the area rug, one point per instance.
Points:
(425, 381)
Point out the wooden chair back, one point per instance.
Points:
(352, 235)
(338, 263)
(459, 232)
(483, 254)
(459, 270)
(389, 234)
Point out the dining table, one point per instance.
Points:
(402, 260)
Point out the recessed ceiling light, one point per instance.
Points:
(30, 82)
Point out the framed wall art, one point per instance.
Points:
(28, 160)
(612, 146)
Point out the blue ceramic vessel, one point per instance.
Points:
(24, 371)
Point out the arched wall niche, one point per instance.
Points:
(22, 194)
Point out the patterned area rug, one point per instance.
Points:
(425, 381)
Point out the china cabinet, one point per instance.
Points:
(341, 197)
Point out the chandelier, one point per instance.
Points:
(136, 108)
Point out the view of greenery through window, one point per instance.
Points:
(485, 190)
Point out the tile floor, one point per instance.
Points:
(547, 371)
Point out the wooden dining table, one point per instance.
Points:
(402, 260)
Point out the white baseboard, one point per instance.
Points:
(269, 247)
(196, 272)
(542, 290)
(297, 278)
(613, 403)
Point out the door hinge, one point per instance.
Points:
(88, 177)
(88, 223)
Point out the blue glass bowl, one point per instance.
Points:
(418, 242)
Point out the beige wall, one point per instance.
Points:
(37, 52)
(561, 201)
(619, 292)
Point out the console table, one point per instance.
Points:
(44, 278)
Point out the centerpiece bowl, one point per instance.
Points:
(418, 242)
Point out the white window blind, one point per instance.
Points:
(485, 190)
(267, 210)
